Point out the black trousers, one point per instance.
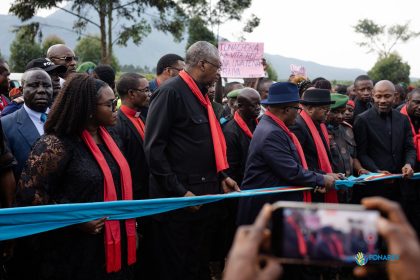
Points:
(181, 247)
(387, 189)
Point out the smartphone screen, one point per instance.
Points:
(324, 233)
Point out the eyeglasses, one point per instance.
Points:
(112, 105)
(298, 109)
(214, 65)
(67, 58)
(142, 90)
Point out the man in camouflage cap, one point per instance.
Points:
(342, 143)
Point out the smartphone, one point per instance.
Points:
(324, 234)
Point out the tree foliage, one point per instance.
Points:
(50, 41)
(89, 49)
(382, 39)
(391, 68)
(198, 31)
(169, 18)
(24, 48)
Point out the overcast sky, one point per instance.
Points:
(321, 31)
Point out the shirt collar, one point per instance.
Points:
(33, 113)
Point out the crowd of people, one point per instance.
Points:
(75, 134)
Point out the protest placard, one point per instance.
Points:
(241, 59)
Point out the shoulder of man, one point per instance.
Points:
(269, 130)
(11, 119)
(173, 86)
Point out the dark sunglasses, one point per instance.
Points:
(67, 58)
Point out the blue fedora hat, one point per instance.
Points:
(282, 93)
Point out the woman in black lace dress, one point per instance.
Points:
(77, 161)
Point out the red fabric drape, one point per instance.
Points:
(219, 143)
(135, 119)
(238, 119)
(323, 160)
(306, 194)
(112, 228)
(303, 250)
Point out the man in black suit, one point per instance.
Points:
(135, 94)
(384, 143)
(316, 105)
(186, 152)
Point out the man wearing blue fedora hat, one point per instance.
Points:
(275, 157)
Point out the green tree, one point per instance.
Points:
(391, 68)
(49, 41)
(380, 39)
(24, 48)
(198, 31)
(170, 16)
(89, 49)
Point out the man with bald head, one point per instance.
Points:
(238, 131)
(60, 54)
(384, 144)
(24, 126)
(186, 153)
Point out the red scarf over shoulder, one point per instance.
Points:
(323, 160)
(135, 119)
(219, 143)
(241, 123)
(416, 136)
(306, 194)
(112, 228)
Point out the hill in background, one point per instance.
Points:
(156, 45)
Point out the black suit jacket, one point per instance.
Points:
(178, 143)
(132, 148)
(301, 130)
(237, 143)
(372, 149)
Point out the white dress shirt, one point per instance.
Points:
(36, 119)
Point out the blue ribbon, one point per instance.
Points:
(23, 221)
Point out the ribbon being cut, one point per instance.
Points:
(23, 221)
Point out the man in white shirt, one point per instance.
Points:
(23, 127)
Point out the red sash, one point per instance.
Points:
(303, 250)
(238, 119)
(306, 194)
(323, 160)
(416, 136)
(219, 143)
(112, 228)
(135, 119)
